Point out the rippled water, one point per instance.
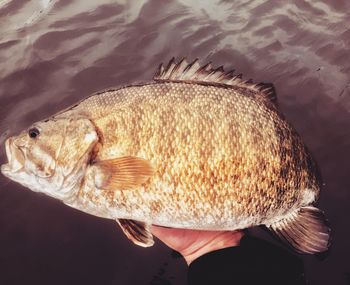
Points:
(56, 52)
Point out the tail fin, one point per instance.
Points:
(305, 230)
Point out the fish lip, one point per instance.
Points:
(15, 157)
(6, 167)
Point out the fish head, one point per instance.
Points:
(51, 156)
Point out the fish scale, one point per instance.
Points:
(199, 115)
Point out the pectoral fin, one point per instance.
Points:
(138, 232)
(121, 173)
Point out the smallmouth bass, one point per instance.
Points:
(197, 148)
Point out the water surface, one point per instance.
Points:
(56, 52)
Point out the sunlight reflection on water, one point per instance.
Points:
(54, 53)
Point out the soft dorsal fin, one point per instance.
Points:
(195, 73)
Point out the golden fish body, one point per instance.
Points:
(218, 156)
(198, 149)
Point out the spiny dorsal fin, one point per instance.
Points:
(195, 73)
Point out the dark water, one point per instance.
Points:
(53, 53)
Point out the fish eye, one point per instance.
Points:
(33, 132)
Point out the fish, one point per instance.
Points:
(195, 148)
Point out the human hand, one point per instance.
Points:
(195, 243)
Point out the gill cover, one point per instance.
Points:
(78, 139)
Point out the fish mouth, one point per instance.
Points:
(15, 157)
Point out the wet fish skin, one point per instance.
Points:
(202, 149)
(192, 141)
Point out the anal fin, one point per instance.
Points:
(305, 230)
(138, 232)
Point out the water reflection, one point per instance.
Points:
(54, 53)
